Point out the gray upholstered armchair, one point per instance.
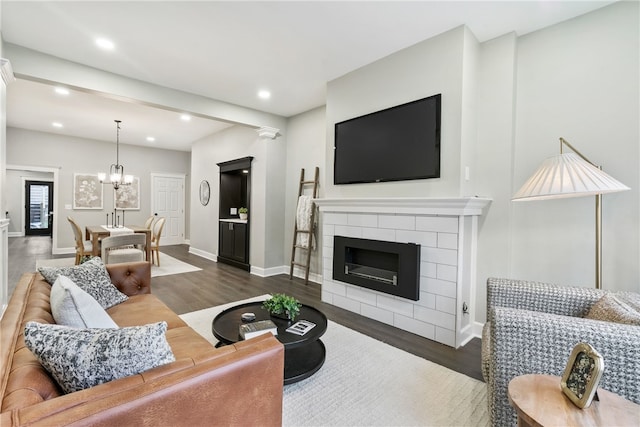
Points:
(532, 328)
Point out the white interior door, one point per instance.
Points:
(168, 202)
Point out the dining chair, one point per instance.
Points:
(156, 232)
(83, 247)
(149, 222)
(123, 248)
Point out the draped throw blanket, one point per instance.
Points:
(303, 221)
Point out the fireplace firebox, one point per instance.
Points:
(389, 267)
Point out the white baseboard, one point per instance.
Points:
(266, 272)
(477, 329)
(63, 251)
(15, 234)
(203, 254)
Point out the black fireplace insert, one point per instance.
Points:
(389, 267)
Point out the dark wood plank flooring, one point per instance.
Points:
(218, 283)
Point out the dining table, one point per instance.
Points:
(96, 232)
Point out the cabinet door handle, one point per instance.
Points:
(230, 226)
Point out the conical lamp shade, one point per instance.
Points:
(567, 175)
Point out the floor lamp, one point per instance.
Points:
(572, 175)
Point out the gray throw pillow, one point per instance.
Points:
(71, 306)
(82, 358)
(619, 308)
(92, 277)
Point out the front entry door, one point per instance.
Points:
(168, 202)
(38, 208)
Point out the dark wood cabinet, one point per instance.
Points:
(233, 241)
(235, 186)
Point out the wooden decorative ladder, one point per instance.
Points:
(310, 232)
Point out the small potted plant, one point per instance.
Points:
(283, 306)
(243, 213)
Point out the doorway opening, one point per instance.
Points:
(38, 208)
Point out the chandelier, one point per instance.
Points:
(117, 177)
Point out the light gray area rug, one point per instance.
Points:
(365, 382)
(168, 265)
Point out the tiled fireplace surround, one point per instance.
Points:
(446, 229)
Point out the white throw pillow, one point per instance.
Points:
(82, 358)
(71, 306)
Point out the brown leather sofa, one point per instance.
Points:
(233, 385)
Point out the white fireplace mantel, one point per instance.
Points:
(446, 229)
(459, 206)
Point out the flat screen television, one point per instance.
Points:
(395, 144)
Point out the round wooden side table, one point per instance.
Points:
(539, 401)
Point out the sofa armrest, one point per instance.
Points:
(131, 278)
(527, 342)
(236, 386)
(543, 297)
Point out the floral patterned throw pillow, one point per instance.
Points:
(82, 358)
(92, 277)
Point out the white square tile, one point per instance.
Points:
(438, 287)
(427, 300)
(384, 234)
(348, 231)
(447, 240)
(361, 294)
(400, 222)
(346, 303)
(422, 238)
(428, 269)
(389, 303)
(435, 317)
(447, 272)
(362, 220)
(446, 224)
(335, 218)
(445, 336)
(439, 256)
(376, 313)
(415, 326)
(446, 304)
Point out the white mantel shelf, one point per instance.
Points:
(459, 206)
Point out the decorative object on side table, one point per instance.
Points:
(244, 213)
(582, 375)
(284, 306)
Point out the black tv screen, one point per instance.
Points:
(399, 143)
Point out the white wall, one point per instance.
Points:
(75, 155)
(427, 68)
(494, 159)
(579, 80)
(267, 199)
(306, 141)
(15, 197)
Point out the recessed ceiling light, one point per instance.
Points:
(57, 125)
(105, 44)
(264, 94)
(185, 117)
(61, 90)
(150, 139)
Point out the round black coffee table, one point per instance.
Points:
(303, 355)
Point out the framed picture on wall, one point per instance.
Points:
(87, 191)
(127, 197)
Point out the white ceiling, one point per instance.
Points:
(230, 50)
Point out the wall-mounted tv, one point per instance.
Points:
(396, 144)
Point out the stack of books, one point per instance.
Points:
(250, 330)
